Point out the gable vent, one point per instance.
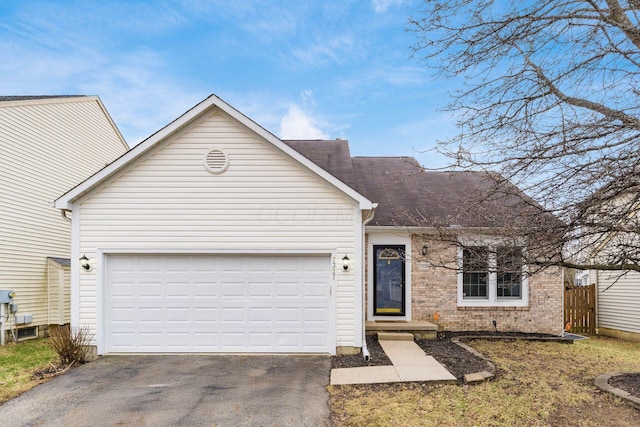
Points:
(216, 161)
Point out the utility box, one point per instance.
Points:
(22, 319)
(6, 296)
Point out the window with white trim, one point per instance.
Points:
(492, 276)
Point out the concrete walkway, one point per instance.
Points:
(410, 363)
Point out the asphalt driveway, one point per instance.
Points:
(172, 390)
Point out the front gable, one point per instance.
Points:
(253, 224)
(262, 194)
(181, 126)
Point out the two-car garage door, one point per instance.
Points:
(222, 303)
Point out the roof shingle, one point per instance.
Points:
(409, 196)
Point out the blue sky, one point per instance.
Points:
(301, 69)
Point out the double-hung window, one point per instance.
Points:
(475, 267)
(509, 273)
(492, 276)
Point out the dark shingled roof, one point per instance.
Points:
(332, 155)
(32, 97)
(409, 196)
(65, 262)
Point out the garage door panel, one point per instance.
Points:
(149, 265)
(314, 289)
(232, 289)
(179, 315)
(232, 265)
(257, 289)
(122, 315)
(316, 315)
(205, 315)
(204, 290)
(150, 315)
(287, 289)
(286, 315)
(180, 303)
(260, 315)
(148, 289)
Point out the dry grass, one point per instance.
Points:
(539, 384)
(18, 363)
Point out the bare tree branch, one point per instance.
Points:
(549, 98)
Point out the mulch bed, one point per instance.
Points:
(627, 382)
(456, 359)
(378, 357)
(459, 361)
(453, 357)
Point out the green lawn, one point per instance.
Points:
(538, 384)
(17, 364)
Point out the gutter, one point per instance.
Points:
(365, 350)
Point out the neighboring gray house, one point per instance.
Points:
(47, 145)
(213, 235)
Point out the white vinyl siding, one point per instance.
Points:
(58, 293)
(264, 202)
(619, 301)
(47, 147)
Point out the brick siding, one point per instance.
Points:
(434, 289)
(435, 286)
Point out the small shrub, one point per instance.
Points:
(71, 344)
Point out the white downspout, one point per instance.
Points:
(365, 350)
(48, 292)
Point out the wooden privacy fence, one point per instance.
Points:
(580, 309)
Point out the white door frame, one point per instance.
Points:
(386, 238)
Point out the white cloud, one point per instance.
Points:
(139, 100)
(381, 6)
(263, 20)
(338, 50)
(308, 99)
(387, 77)
(297, 124)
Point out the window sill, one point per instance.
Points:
(487, 302)
(492, 308)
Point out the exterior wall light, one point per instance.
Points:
(424, 250)
(345, 263)
(84, 263)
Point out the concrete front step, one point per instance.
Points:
(420, 329)
(395, 336)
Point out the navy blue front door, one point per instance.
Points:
(388, 279)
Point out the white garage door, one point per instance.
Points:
(204, 303)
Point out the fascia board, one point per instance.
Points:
(418, 230)
(67, 199)
(52, 100)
